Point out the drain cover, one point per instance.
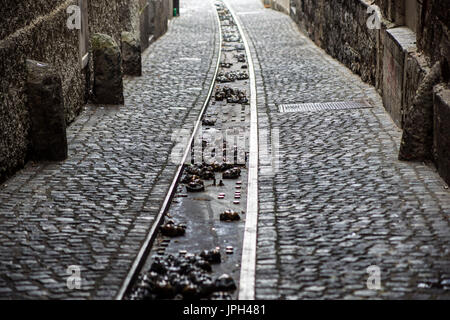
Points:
(304, 107)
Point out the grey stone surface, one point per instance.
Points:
(442, 130)
(340, 200)
(46, 109)
(94, 209)
(145, 25)
(108, 84)
(131, 54)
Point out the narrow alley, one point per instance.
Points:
(304, 199)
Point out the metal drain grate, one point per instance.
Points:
(304, 107)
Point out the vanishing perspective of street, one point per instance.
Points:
(225, 150)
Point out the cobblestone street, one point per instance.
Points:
(337, 202)
(340, 201)
(95, 209)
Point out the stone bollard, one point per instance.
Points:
(108, 85)
(46, 109)
(131, 55)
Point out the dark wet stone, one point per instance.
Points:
(170, 229)
(46, 109)
(240, 57)
(225, 283)
(195, 186)
(417, 139)
(212, 256)
(208, 122)
(108, 85)
(230, 215)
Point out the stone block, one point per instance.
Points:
(131, 54)
(441, 101)
(46, 109)
(108, 85)
(397, 43)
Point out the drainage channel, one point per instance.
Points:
(194, 250)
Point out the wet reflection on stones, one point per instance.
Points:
(232, 173)
(230, 215)
(212, 256)
(170, 229)
(184, 277)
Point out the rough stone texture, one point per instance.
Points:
(105, 18)
(108, 85)
(46, 108)
(340, 28)
(416, 68)
(442, 130)
(129, 15)
(95, 209)
(47, 39)
(159, 16)
(340, 200)
(18, 14)
(434, 31)
(398, 43)
(417, 139)
(131, 55)
(145, 26)
(390, 58)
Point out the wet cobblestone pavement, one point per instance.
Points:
(337, 202)
(340, 200)
(94, 209)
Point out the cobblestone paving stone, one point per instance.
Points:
(95, 209)
(340, 201)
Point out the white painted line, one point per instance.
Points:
(146, 245)
(248, 264)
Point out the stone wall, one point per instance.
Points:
(105, 17)
(129, 15)
(340, 28)
(434, 30)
